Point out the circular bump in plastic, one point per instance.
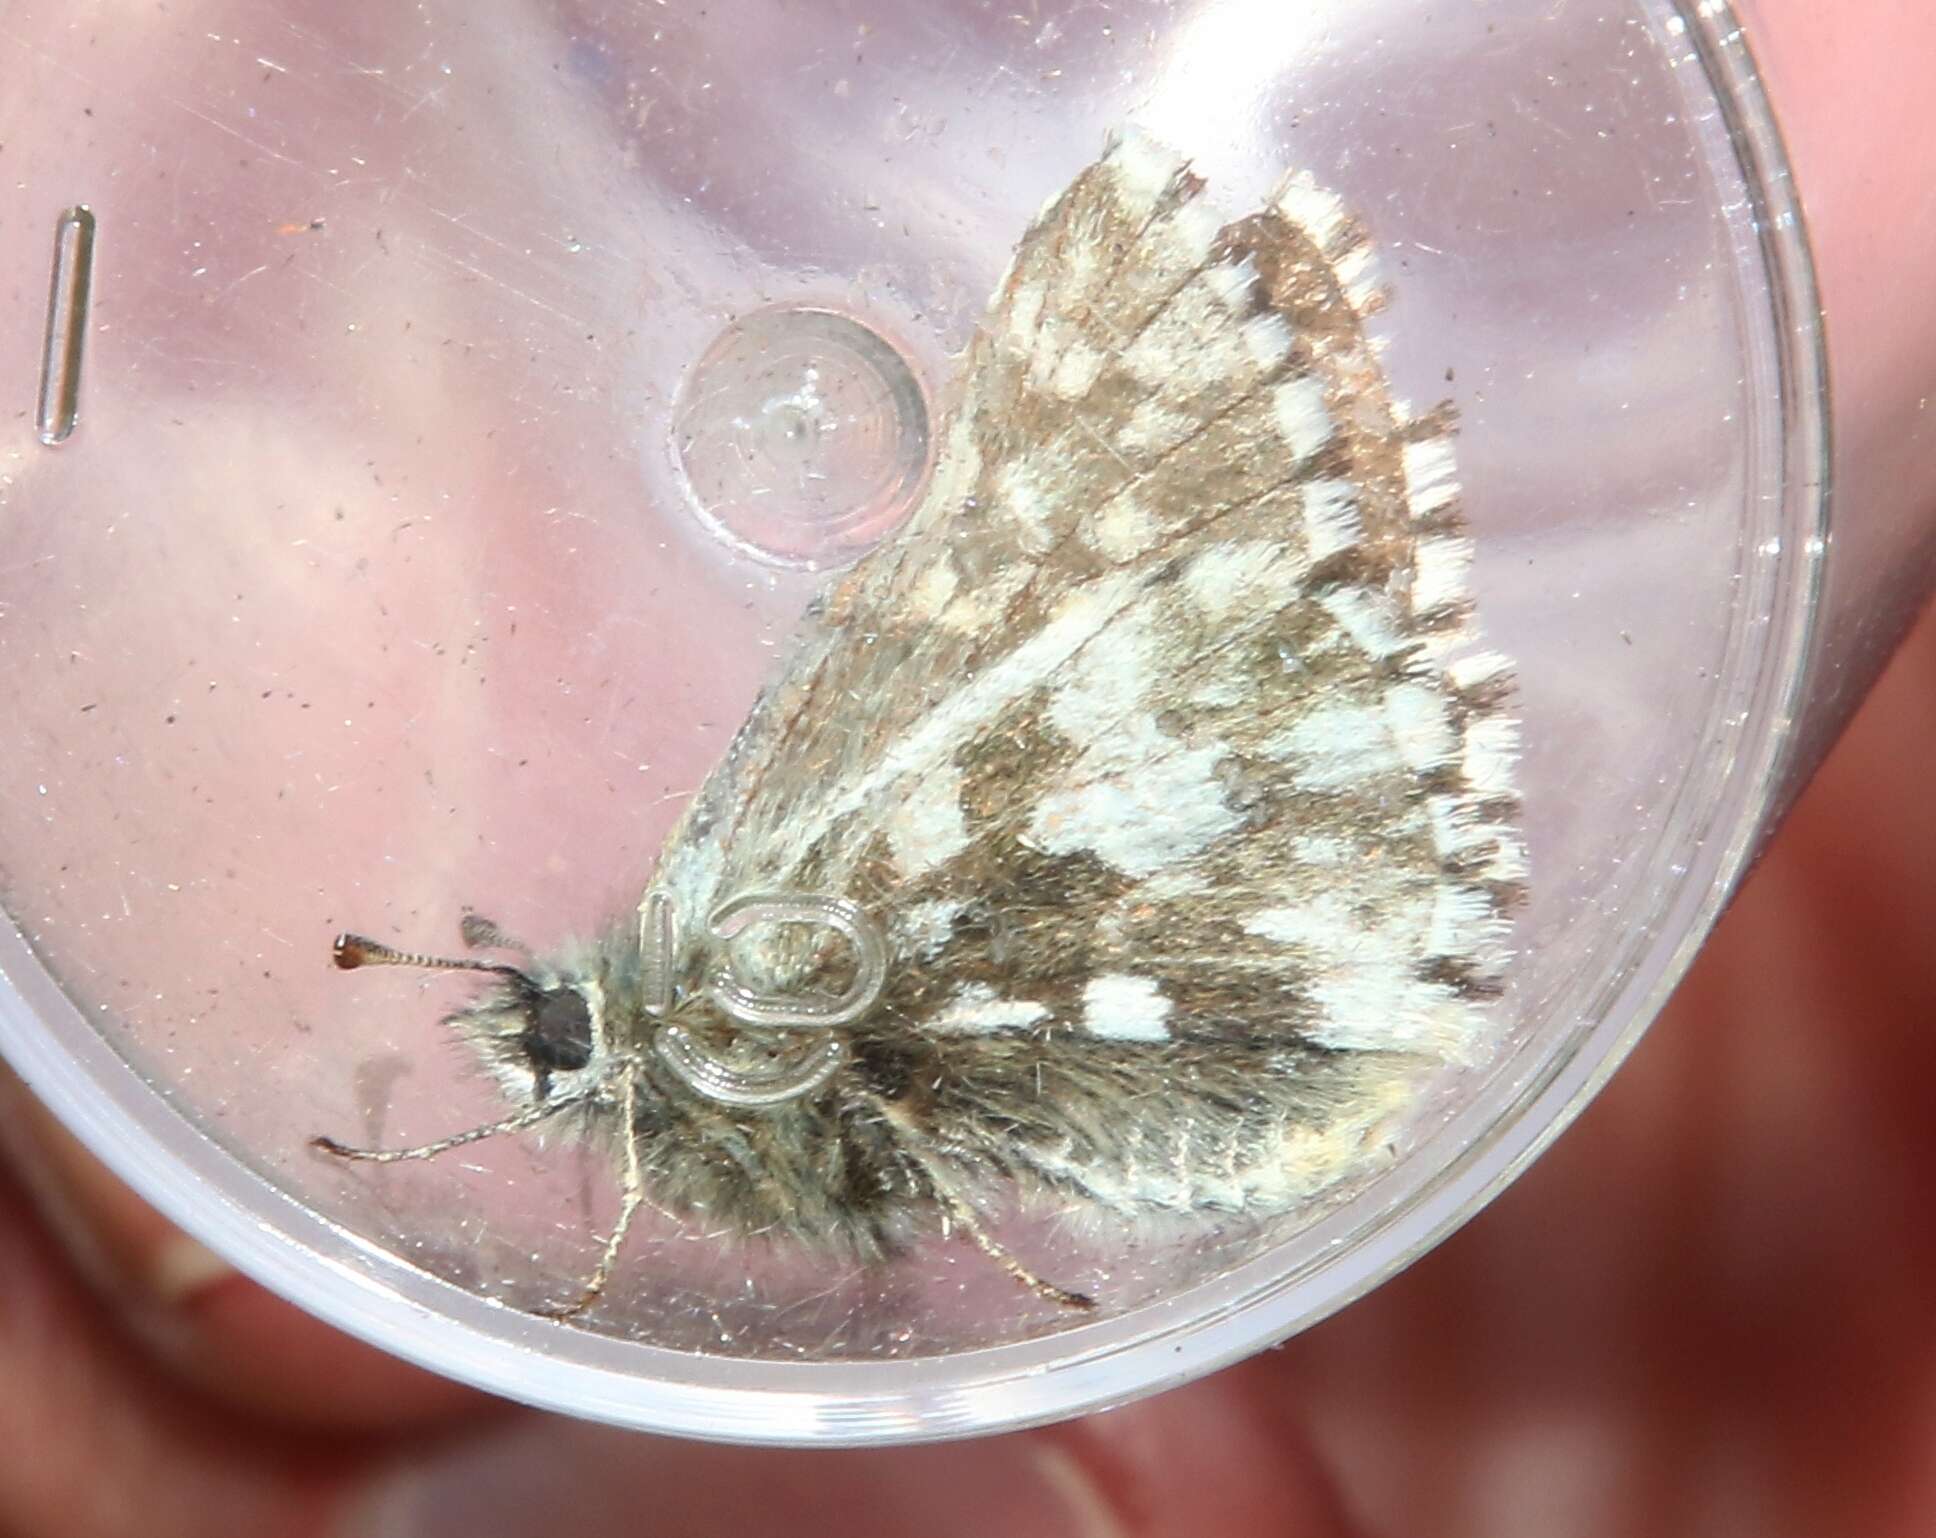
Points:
(803, 437)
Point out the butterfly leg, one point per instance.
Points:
(528, 1118)
(964, 1217)
(961, 1214)
(632, 1197)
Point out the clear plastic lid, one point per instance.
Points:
(448, 420)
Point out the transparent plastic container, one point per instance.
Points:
(414, 549)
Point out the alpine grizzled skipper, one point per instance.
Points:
(1134, 828)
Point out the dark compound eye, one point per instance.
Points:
(558, 1032)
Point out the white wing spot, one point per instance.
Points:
(1020, 490)
(1168, 885)
(1119, 1007)
(1025, 314)
(1135, 798)
(1190, 233)
(1459, 832)
(1267, 338)
(1302, 416)
(972, 610)
(1456, 828)
(1491, 749)
(1227, 579)
(1431, 480)
(1330, 518)
(1438, 574)
(1365, 982)
(1222, 692)
(1190, 348)
(1366, 618)
(1077, 371)
(1077, 618)
(1337, 746)
(977, 1009)
(927, 926)
(1142, 168)
(1153, 428)
(1479, 669)
(1164, 807)
(1420, 726)
(1465, 923)
(1232, 282)
(1123, 529)
(927, 827)
(1508, 862)
(1318, 213)
(1357, 274)
(931, 590)
(1104, 689)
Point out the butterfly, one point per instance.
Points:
(1133, 828)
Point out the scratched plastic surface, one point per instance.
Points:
(396, 565)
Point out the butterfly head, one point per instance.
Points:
(542, 1029)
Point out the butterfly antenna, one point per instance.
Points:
(353, 951)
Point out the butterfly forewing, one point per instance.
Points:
(1157, 741)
